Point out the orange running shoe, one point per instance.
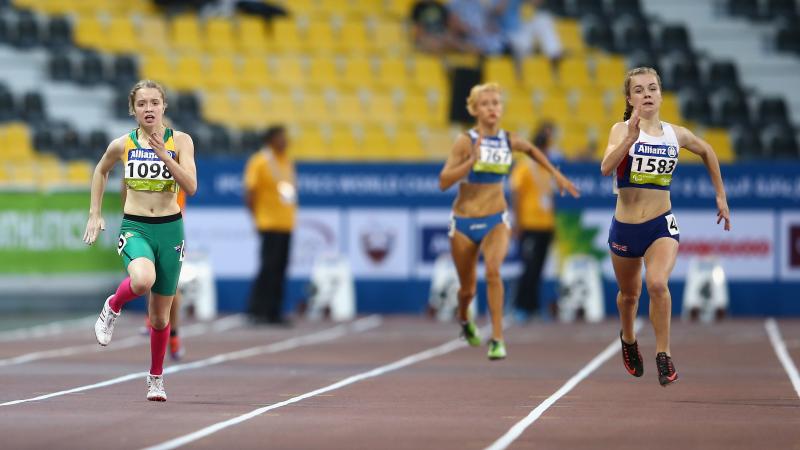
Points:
(176, 350)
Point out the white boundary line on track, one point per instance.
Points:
(46, 329)
(223, 324)
(318, 337)
(399, 364)
(516, 431)
(779, 346)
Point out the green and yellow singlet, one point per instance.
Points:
(144, 171)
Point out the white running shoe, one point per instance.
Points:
(155, 388)
(104, 327)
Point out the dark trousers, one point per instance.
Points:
(533, 247)
(266, 297)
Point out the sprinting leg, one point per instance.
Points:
(142, 276)
(628, 272)
(495, 247)
(158, 309)
(465, 258)
(659, 261)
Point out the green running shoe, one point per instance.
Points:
(497, 350)
(470, 332)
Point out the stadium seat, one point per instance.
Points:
(185, 34)
(59, 33)
(122, 36)
(251, 36)
(537, 73)
(255, 72)
(574, 74)
(222, 73)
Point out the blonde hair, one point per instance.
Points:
(631, 73)
(479, 89)
(142, 84)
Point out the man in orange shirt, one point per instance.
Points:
(271, 197)
(532, 199)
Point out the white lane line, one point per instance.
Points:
(46, 329)
(783, 355)
(196, 329)
(288, 344)
(219, 426)
(516, 431)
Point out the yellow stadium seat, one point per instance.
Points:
(281, 108)
(50, 174)
(376, 145)
(610, 72)
(381, 108)
(16, 141)
(255, 73)
(157, 35)
(286, 37)
(555, 105)
(500, 69)
(416, 108)
(319, 38)
(670, 108)
(79, 173)
(393, 73)
(24, 174)
(352, 38)
(389, 37)
(348, 108)
(537, 72)
(569, 31)
(217, 107)
(156, 66)
(220, 36)
(252, 36)
(250, 111)
(323, 72)
(343, 144)
(122, 36)
(89, 32)
(398, 9)
(309, 144)
(574, 74)
(720, 141)
(222, 73)
(189, 73)
(314, 108)
(358, 73)
(591, 108)
(288, 71)
(407, 145)
(428, 73)
(185, 33)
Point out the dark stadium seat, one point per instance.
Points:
(580, 8)
(746, 143)
(626, 7)
(772, 111)
(744, 8)
(780, 142)
(187, 107)
(250, 141)
(732, 109)
(124, 72)
(684, 73)
(598, 34)
(7, 106)
(96, 143)
(6, 34)
(61, 67)
(722, 75)
(59, 33)
(120, 105)
(27, 32)
(92, 69)
(674, 39)
(44, 140)
(788, 39)
(632, 36)
(780, 8)
(220, 140)
(32, 107)
(556, 7)
(695, 106)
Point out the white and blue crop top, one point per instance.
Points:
(650, 161)
(494, 162)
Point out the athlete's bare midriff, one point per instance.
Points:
(479, 200)
(151, 204)
(637, 205)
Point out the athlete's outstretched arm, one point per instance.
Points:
(563, 183)
(184, 171)
(621, 138)
(703, 149)
(99, 181)
(462, 158)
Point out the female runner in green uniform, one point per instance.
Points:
(157, 162)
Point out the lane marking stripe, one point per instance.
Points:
(779, 346)
(288, 344)
(516, 431)
(399, 364)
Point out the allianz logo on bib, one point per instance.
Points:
(655, 150)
